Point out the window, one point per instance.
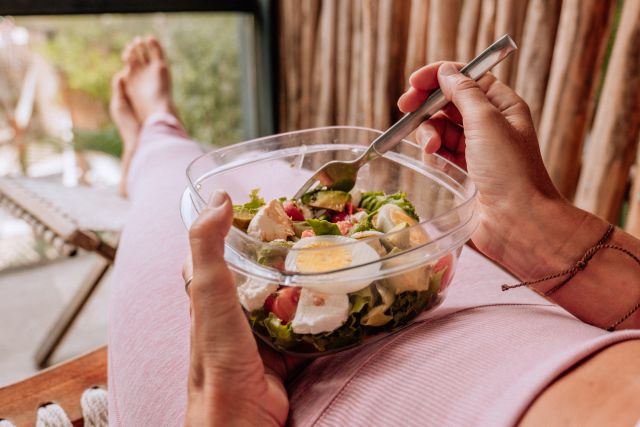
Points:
(222, 78)
(53, 115)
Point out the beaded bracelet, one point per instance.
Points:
(579, 266)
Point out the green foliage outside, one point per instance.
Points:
(203, 55)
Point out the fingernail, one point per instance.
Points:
(447, 69)
(217, 199)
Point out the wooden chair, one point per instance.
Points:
(70, 219)
(66, 390)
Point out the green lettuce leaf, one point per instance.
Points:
(364, 225)
(321, 227)
(253, 205)
(282, 336)
(408, 305)
(374, 200)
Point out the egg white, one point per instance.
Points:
(324, 254)
(390, 216)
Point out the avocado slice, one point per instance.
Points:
(274, 253)
(327, 199)
(396, 238)
(242, 217)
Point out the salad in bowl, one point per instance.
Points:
(335, 269)
(328, 231)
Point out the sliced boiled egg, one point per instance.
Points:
(254, 292)
(326, 254)
(318, 312)
(391, 218)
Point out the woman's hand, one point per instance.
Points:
(487, 130)
(525, 225)
(231, 380)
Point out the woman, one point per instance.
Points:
(487, 358)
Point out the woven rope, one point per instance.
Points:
(52, 415)
(95, 407)
(94, 411)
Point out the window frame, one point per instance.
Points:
(259, 71)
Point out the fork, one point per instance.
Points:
(341, 175)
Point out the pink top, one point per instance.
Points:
(480, 359)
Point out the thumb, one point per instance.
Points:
(221, 339)
(207, 240)
(209, 230)
(466, 95)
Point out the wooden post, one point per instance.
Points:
(632, 225)
(443, 29)
(324, 72)
(575, 70)
(417, 38)
(392, 33)
(356, 66)
(617, 124)
(343, 61)
(308, 28)
(290, 62)
(368, 60)
(468, 30)
(382, 100)
(400, 29)
(509, 20)
(486, 26)
(536, 51)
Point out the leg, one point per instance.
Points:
(149, 313)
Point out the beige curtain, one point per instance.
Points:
(346, 62)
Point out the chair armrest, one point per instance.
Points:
(62, 384)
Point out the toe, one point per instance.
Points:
(155, 50)
(117, 92)
(117, 81)
(141, 49)
(131, 56)
(127, 52)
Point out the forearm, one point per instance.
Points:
(554, 238)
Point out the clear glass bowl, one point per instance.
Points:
(418, 275)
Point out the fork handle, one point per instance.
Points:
(475, 69)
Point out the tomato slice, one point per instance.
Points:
(339, 216)
(446, 263)
(293, 211)
(284, 303)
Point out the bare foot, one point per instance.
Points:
(147, 80)
(127, 123)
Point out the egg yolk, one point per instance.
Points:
(321, 260)
(398, 216)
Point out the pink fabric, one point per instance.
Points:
(480, 359)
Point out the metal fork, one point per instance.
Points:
(341, 175)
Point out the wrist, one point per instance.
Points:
(550, 237)
(226, 405)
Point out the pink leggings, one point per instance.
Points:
(480, 359)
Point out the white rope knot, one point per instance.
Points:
(95, 407)
(94, 411)
(52, 415)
